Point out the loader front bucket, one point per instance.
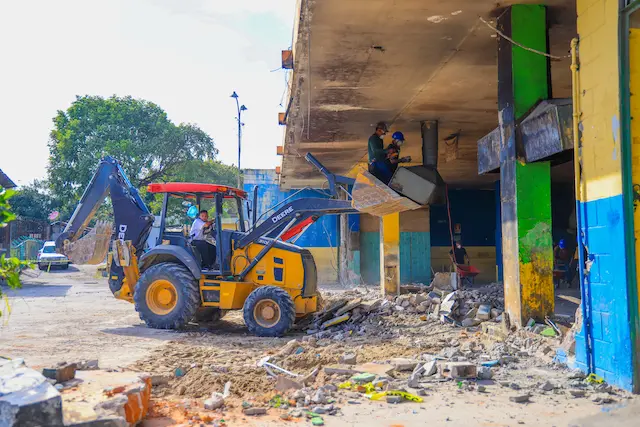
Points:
(91, 248)
(372, 196)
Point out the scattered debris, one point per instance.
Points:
(62, 373)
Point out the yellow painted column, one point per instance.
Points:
(634, 86)
(390, 254)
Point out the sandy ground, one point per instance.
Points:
(71, 315)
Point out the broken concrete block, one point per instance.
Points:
(254, 411)
(430, 368)
(348, 359)
(340, 370)
(423, 307)
(214, 402)
(363, 377)
(577, 393)
(484, 373)
(160, 379)
(401, 364)
(494, 331)
(448, 303)
(484, 312)
(62, 373)
(373, 368)
(26, 398)
(495, 313)
(394, 399)
(461, 370)
(519, 398)
(319, 397)
(467, 323)
(87, 365)
(547, 386)
(284, 384)
(350, 306)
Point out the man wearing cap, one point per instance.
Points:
(377, 152)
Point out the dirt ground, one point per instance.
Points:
(71, 315)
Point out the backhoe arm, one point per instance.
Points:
(133, 218)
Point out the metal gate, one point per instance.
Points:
(26, 248)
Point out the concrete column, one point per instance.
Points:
(390, 254)
(525, 189)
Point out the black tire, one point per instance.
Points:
(284, 303)
(209, 314)
(187, 293)
(42, 267)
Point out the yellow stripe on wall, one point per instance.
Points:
(600, 100)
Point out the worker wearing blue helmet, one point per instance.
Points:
(384, 161)
(393, 153)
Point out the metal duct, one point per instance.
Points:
(429, 133)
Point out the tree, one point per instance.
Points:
(204, 171)
(34, 201)
(135, 132)
(9, 267)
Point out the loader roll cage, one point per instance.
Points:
(199, 192)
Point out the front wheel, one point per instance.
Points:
(269, 311)
(167, 296)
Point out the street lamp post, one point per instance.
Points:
(240, 108)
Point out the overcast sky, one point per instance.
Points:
(187, 56)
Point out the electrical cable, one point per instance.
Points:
(512, 41)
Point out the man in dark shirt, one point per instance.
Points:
(460, 255)
(377, 152)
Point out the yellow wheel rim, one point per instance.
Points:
(267, 313)
(162, 297)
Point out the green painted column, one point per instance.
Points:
(525, 189)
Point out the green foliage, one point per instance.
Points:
(34, 201)
(135, 132)
(5, 209)
(9, 267)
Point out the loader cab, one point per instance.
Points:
(180, 206)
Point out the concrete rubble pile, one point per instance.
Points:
(464, 308)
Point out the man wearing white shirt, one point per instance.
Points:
(204, 244)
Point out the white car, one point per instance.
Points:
(48, 257)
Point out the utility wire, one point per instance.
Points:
(512, 41)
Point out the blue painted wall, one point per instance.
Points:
(606, 283)
(415, 257)
(474, 210)
(324, 233)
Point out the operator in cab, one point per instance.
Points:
(202, 239)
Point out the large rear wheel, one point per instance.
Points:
(167, 296)
(269, 311)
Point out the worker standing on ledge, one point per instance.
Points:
(377, 152)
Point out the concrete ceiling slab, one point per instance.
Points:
(361, 61)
